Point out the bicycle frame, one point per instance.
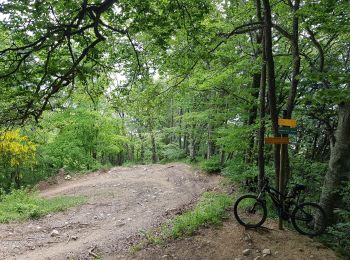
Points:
(278, 198)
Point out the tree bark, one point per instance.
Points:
(154, 149)
(296, 60)
(192, 149)
(180, 127)
(270, 75)
(253, 112)
(261, 155)
(210, 149)
(262, 103)
(295, 80)
(142, 148)
(338, 172)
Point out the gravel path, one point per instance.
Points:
(121, 203)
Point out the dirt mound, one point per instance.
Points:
(125, 201)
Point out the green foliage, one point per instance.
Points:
(235, 138)
(21, 205)
(338, 237)
(237, 171)
(212, 165)
(338, 234)
(310, 173)
(210, 210)
(171, 152)
(81, 139)
(183, 78)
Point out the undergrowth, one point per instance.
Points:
(210, 210)
(22, 205)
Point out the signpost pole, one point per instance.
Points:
(282, 175)
(286, 127)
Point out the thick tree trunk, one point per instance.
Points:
(262, 103)
(270, 74)
(295, 79)
(296, 60)
(261, 155)
(338, 172)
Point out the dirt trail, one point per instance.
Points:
(125, 201)
(121, 203)
(231, 240)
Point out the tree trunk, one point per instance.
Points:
(338, 172)
(270, 74)
(180, 125)
(186, 144)
(192, 149)
(261, 155)
(17, 178)
(154, 149)
(142, 148)
(252, 114)
(262, 103)
(222, 157)
(296, 60)
(210, 149)
(295, 80)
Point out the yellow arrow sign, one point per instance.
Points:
(287, 122)
(276, 140)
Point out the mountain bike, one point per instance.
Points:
(308, 218)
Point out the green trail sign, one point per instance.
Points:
(287, 131)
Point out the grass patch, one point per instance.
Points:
(210, 210)
(21, 205)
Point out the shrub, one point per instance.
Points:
(171, 152)
(212, 165)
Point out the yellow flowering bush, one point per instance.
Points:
(16, 151)
(17, 148)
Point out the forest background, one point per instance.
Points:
(87, 85)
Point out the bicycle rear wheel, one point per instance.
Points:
(249, 211)
(309, 219)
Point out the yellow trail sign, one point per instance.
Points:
(276, 140)
(287, 122)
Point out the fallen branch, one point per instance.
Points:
(92, 253)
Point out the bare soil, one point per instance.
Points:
(230, 240)
(125, 201)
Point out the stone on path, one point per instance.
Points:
(246, 251)
(54, 233)
(266, 252)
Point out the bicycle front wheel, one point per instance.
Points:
(249, 211)
(309, 219)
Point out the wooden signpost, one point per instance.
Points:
(287, 127)
(287, 122)
(276, 140)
